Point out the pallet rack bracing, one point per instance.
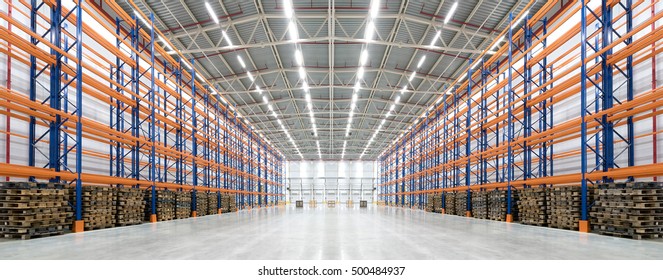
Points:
(553, 101)
(163, 127)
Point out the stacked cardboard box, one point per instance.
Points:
(30, 210)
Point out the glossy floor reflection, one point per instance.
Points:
(331, 233)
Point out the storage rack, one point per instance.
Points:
(166, 129)
(494, 128)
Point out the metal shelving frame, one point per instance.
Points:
(495, 127)
(166, 128)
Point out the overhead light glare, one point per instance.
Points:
(299, 59)
(241, 62)
(370, 28)
(437, 36)
(363, 58)
(414, 73)
(421, 61)
(211, 12)
(375, 8)
(360, 73)
(225, 37)
(451, 12)
(287, 8)
(292, 28)
(302, 73)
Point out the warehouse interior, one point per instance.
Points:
(331, 130)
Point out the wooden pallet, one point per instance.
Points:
(128, 206)
(165, 205)
(31, 210)
(533, 206)
(480, 204)
(201, 203)
(182, 204)
(461, 203)
(497, 205)
(212, 203)
(450, 203)
(565, 207)
(630, 210)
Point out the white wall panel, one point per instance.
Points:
(331, 180)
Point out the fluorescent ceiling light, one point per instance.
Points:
(274, 115)
(292, 28)
(165, 45)
(360, 73)
(354, 97)
(363, 58)
(476, 64)
(264, 99)
(513, 25)
(398, 99)
(287, 8)
(250, 76)
(375, 8)
(225, 37)
(393, 106)
(421, 61)
(497, 44)
(241, 61)
(368, 34)
(143, 20)
(451, 12)
(211, 12)
(414, 73)
(437, 36)
(357, 85)
(305, 86)
(270, 107)
(299, 58)
(302, 73)
(308, 97)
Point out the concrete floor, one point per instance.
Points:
(331, 233)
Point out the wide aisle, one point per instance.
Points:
(331, 233)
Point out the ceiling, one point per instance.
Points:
(331, 37)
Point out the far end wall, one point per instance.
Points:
(331, 180)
